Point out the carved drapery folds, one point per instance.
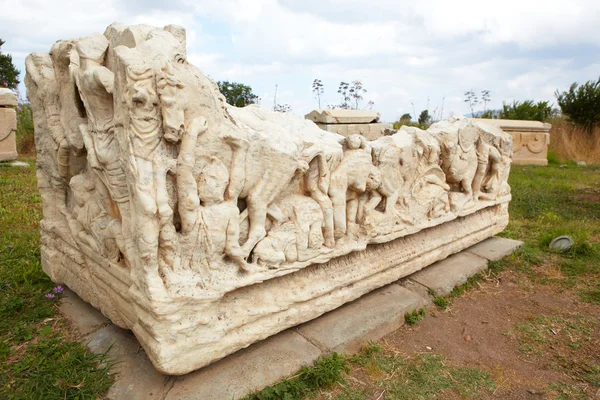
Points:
(151, 179)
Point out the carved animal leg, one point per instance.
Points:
(351, 207)
(478, 180)
(327, 207)
(390, 202)
(257, 214)
(466, 186)
(339, 214)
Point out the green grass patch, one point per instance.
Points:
(322, 374)
(542, 332)
(411, 318)
(423, 376)
(441, 302)
(36, 361)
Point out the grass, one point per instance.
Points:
(422, 376)
(39, 358)
(569, 142)
(411, 318)
(325, 372)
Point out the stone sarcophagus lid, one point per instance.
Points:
(350, 122)
(8, 125)
(530, 139)
(204, 227)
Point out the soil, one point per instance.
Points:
(475, 331)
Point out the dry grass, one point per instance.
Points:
(569, 142)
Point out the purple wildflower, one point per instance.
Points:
(59, 289)
(10, 246)
(50, 296)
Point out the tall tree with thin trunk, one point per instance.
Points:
(317, 88)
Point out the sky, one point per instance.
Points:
(409, 55)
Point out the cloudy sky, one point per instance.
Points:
(404, 52)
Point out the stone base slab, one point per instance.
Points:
(345, 329)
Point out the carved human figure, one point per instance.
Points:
(40, 69)
(90, 223)
(429, 188)
(152, 160)
(492, 161)
(208, 195)
(387, 157)
(459, 161)
(42, 92)
(316, 183)
(297, 237)
(351, 175)
(95, 84)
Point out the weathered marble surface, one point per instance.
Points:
(204, 228)
(530, 139)
(8, 125)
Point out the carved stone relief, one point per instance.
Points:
(195, 220)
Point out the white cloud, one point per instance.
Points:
(404, 52)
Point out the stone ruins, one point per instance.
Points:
(530, 139)
(8, 125)
(350, 122)
(204, 227)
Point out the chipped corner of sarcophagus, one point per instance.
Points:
(204, 227)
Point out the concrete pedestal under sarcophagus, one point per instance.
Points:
(204, 227)
(530, 139)
(350, 122)
(8, 125)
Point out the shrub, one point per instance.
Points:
(412, 318)
(527, 110)
(25, 130)
(573, 142)
(581, 104)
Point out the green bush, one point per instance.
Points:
(25, 130)
(527, 110)
(412, 318)
(581, 104)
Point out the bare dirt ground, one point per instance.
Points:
(535, 341)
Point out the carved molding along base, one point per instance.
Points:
(258, 311)
(204, 227)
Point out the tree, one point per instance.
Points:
(344, 94)
(527, 110)
(485, 97)
(9, 74)
(472, 100)
(237, 94)
(581, 104)
(424, 117)
(404, 120)
(356, 92)
(317, 88)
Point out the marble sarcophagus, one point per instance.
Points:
(204, 227)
